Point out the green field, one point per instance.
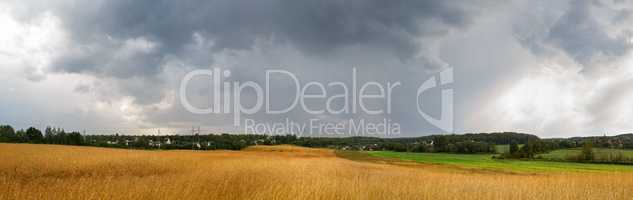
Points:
(486, 162)
(502, 148)
(562, 154)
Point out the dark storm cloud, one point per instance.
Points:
(121, 59)
(315, 27)
(127, 58)
(128, 41)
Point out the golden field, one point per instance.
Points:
(279, 172)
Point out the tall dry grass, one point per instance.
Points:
(63, 172)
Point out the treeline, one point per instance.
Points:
(623, 141)
(35, 136)
(522, 145)
(466, 143)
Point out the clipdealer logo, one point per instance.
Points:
(227, 95)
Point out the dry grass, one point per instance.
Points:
(285, 172)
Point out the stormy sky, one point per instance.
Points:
(551, 68)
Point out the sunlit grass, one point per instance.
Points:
(485, 161)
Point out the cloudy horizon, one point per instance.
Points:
(553, 69)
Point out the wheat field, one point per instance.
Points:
(279, 172)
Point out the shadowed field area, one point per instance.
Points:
(278, 172)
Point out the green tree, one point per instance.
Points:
(514, 148)
(75, 138)
(20, 136)
(587, 151)
(61, 137)
(7, 134)
(528, 150)
(49, 135)
(34, 136)
(440, 143)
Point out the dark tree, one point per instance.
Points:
(587, 151)
(75, 138)
(440, 143)
(49, 135)
(527, 151)
(7, 134)
(514, 148)
(34, 136)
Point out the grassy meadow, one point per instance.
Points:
(30, 171)
(503, 148)
(486, 162)
(562, 154)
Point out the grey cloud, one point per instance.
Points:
(314, 27)
(605, 107)
(141, 49)
(193, 31)
(82, 88)
(107, 58)
(578, 32)
(582, 37)
(31, 73)
(623, 16)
